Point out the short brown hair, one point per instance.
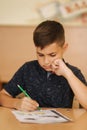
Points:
(48, 32)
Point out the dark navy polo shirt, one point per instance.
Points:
(48, 91)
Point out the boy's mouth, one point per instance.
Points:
(47, 67)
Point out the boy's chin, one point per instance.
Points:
(48, 69)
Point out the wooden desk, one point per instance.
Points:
(79, 116)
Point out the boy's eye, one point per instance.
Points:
(52, 55)
(40, 55)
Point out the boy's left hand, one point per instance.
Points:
(59, 67)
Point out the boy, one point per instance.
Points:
(49, 80)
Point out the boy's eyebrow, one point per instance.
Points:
(47, 54)
(39, 52)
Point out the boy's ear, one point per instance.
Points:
(65, 46)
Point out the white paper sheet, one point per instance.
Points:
(40, 116)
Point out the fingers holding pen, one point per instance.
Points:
(26, 104)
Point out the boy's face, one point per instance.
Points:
(48, 54)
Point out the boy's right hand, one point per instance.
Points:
(26, 104)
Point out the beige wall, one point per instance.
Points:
(16, 47)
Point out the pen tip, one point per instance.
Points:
(17, 85)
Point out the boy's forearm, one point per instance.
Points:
(76, 85)
(79, 88)
(8, 101)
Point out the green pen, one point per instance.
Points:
(25, 93)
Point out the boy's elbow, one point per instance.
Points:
(3, 96)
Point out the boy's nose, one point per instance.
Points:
(46, 60)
